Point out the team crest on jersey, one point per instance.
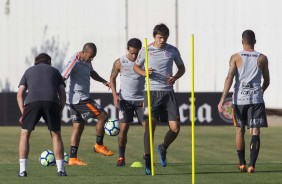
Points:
(151, 51)
(124, 61)
(167, 54)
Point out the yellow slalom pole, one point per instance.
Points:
(193, 109)
(149, 107)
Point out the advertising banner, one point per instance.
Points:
(205, 109)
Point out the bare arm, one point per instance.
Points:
(228, 82)
(62, 96)
(137, 69)
(115, 71)
(181, 70)
(263, 65)
(94, 75)
(20, 97)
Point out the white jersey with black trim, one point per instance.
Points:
(247, 87)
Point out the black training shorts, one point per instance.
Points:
(252, 115)
(84, 110)
(164, 106)
(50, 112)
(127, 109)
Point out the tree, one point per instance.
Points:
(52, 47)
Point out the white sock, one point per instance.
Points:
(60, 165)
(23, 165)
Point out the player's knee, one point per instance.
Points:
(56, 133)
(175, 129)
(254, 131)
(25, 134)
(240, 131)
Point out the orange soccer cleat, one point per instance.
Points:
(251, 169)
(76, 161)
(102, 150)
(242, 168)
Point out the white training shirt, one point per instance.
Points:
(161, 61)
(247, 88)
(78, 84)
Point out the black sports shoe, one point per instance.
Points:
(162, 155)
(62, 173)
(22, 174)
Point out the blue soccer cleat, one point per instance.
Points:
(162, 155)
(148, 165)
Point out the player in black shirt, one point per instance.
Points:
(46, 98)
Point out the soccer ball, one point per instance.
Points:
(66, 157)
(47, 158)
(112, 127)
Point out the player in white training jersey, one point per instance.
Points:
(248, 67)
(130, 98)
(78, 71)
(163, 102)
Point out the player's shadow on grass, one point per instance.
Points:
(167, 171)
(235, 170)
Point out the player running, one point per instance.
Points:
(161, 58)
(248, 67)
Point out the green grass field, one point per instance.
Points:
(215, 158)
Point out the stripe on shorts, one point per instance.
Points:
(93, 109)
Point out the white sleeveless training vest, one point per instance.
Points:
(131, 84)
(247, 88)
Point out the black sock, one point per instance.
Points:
(163, 148)
(99, 140)
(146, 142)
(254, 150)
(170, 136)
(73, 151)
(147, 158)
(241, 156)
(121, 151)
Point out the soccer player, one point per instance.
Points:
(161, 57)
(130, 97)
(79, 70)
(248, 67)
(45, 98)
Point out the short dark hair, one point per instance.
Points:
(161, 29)
(91, 46)
(134, 43)
(42, 58)
(249, 37)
